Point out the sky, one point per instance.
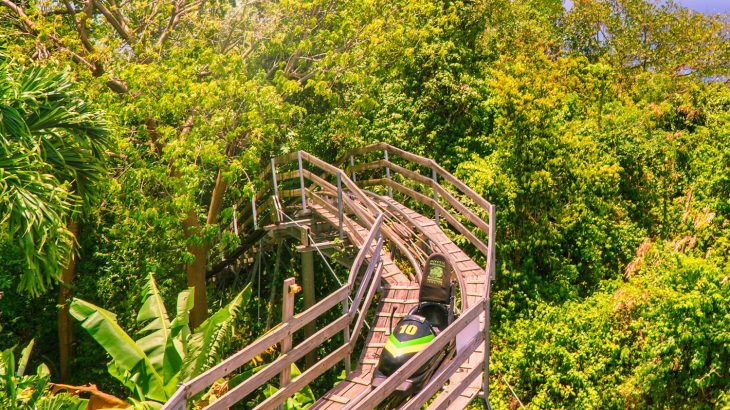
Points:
(704, 6)
(707, 6)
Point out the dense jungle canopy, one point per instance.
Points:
(130, 129)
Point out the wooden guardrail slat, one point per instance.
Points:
(419, 359)
(443, 403)
(366, 305)
(304, 379)
(364, 250)
(439, 379)
(435, 186)
(245, 355)
(261, 377)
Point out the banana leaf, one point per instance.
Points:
(126, 354)
(24, 358)
(204, 345)
(7, 367)
(156, 331)
(177, 342)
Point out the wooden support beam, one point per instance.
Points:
(317, 246)
(308, 285)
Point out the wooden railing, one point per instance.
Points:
(332, 188)
(282, 334)
(351, 199)
(486, 227)
(462, 329)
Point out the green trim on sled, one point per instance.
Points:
(397, 348)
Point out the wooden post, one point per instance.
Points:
(352, 164)
(340, 212)
(485, 381)
(387, 172)
(435, 178)
(273, 176)
(491, 259)
(253, 209)
(301, 180)
(346, 335)
(491, 266)
(287, 311)
(308, 285)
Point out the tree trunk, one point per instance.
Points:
(65, 329)
(196, 270)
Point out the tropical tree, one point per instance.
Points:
(54, 145)
(165, 352)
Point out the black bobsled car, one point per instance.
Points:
(434, 312)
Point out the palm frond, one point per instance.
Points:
(52, 145)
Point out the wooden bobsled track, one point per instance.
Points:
(381, 212)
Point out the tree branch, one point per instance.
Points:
(81, 24)
(33, 28)
(117, 21)
(179, 11)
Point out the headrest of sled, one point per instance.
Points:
(436, 279)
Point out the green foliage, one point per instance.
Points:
(638, 36)
(165, 353)
(659, 341)
(21, 391)
(593, 129)
(301, 399)
(52, 144)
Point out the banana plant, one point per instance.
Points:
(21, 391)
(166, 352)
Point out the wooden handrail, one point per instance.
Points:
(435, 186)
(305, 378)
(258, 379)
(419, 359)
(438, 380)
(443, 403)
(483, 248)
(364, 310)
(368, 274)
(238, 359)
(364, 249)
(426, 162)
